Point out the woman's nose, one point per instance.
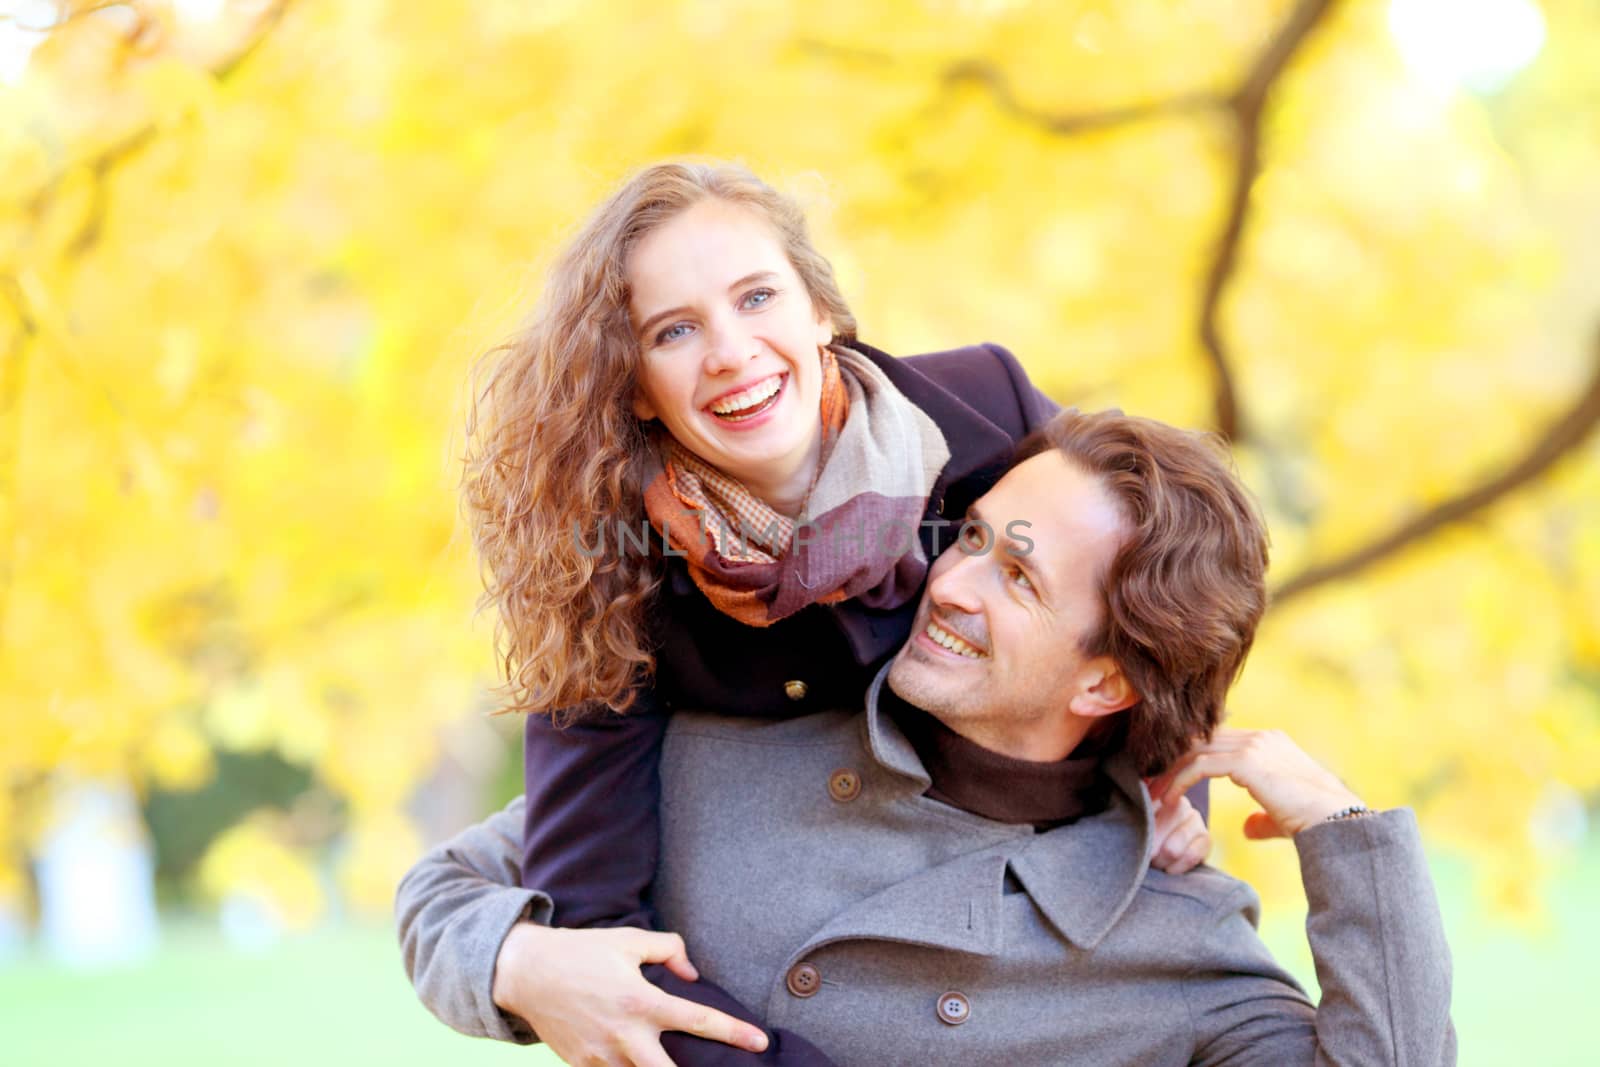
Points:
(727, 348)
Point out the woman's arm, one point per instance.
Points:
(591, 828)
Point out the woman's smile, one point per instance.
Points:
(741, 405)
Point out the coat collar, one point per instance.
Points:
(1082, 876)
(975, 442)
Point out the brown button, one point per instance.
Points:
(954, 1008)
(795, 690)
(844, 784)
(804, 980)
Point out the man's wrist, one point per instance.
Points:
(1353, 811)
(510, 965)
(1298, 821)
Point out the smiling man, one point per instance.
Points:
(959, 873)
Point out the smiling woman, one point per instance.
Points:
(730, 366)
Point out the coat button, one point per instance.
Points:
(844, 784)
(803, 980)
(954, 1008)
(795, 690)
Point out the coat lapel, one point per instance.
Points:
(955, 906)
(1084, 876)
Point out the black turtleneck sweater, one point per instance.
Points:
(976, 780)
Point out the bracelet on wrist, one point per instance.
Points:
(1354, 811)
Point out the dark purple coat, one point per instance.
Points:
(591, 830)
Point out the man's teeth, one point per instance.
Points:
(949, 640)
(748, 398)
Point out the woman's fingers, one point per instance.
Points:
(1294, 791)
(1183, 841)
(1261, 826)
(1192, 768)
(675, 1013)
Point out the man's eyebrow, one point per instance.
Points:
(753, 276)
(1015, 549)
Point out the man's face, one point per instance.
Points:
(996, 652)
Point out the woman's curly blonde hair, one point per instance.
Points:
(553, 448)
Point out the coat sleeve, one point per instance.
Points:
(453, 909)
(1378, 943)
(1034, 409)
(456, 906)
(592, 823)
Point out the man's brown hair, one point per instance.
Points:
(1187, 586)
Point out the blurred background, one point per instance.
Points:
(250, 250)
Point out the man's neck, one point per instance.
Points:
(998, 786)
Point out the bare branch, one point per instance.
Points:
(1561, 437)
(987, 75)
(1247, 106)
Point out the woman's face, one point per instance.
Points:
(728, 343)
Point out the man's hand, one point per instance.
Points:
(1182, 841)
(1294, 790)
(582, 993)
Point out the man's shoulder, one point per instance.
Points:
(1202, 890)
(1189, 912)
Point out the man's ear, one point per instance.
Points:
(1102, 689)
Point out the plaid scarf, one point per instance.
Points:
(880, 457)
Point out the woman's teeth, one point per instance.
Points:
(946, 639)
(748, 402)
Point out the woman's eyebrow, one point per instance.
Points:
(753, 276)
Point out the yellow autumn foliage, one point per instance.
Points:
(246, 264)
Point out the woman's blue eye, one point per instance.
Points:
(758, 297)
(671, 333)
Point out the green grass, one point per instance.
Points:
(340, 996)
(337, 997)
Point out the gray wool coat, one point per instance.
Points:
(888, 928)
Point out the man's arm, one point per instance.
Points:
(483, 959)
(1376, 934)
(1380, 953)
(454, 909)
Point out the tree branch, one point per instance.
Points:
(1561, 437)
(987, 75)
(1246, 105)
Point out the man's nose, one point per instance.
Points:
(953, 581)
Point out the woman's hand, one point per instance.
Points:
(1294, 790)
(1182, 841)
(583, 994)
